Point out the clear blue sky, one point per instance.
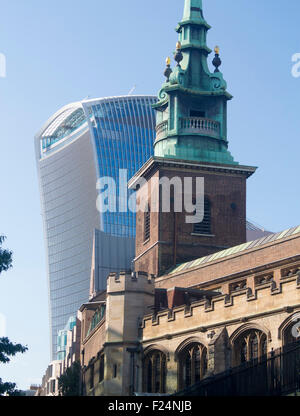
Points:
(61, 51)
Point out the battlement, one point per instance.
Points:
(240, 305)
(125, 281)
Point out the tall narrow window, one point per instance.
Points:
(101, 368)
(187, 370)
(149, 376)
(147, 221)
(155, 372)
(243, 352)
(197, 361)
(253, 347)
(264, 346)
(192, 365)
(290, 354)
(250, 346)
(291, 334)
(204, 227)
(53, 385)
(92, 376)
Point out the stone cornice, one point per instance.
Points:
(155, 162)
(195, 92)
(203, 23)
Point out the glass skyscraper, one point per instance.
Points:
(81, 143)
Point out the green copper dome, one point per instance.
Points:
(192, 103)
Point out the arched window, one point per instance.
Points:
(290, 363)
(192, 363)
(251, 345)
(155, 372)
(147, 223)
(204, 227)
(291, 333)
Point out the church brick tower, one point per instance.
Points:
(191, 142)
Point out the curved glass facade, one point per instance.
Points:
(79, 144)
(123, 145)
(64, 127)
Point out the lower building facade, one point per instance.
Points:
(49, 385)
(161, 336)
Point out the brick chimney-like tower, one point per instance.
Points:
(191, 142)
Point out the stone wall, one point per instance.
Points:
(217, 325)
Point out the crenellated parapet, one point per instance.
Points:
(222, 328)
(266, 297)
(140, 282)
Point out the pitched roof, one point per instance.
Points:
(234, 250)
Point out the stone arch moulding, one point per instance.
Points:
(287, 322)
(248, 326)
(186, 343)
(156, 347)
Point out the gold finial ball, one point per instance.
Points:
(217, 50)
(168, 61)
(178, 45)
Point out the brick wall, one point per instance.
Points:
(172, 240)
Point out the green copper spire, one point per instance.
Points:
(193, 10)
(192, 103)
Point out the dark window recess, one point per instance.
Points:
(92, 377)
(115, 371)
(204, 227)
(101, 369)
(192, 365)
(147, 224)
(53, 385)
(196, 34)
(155, 372)
(197, 113)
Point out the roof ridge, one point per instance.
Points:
(235, 249)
